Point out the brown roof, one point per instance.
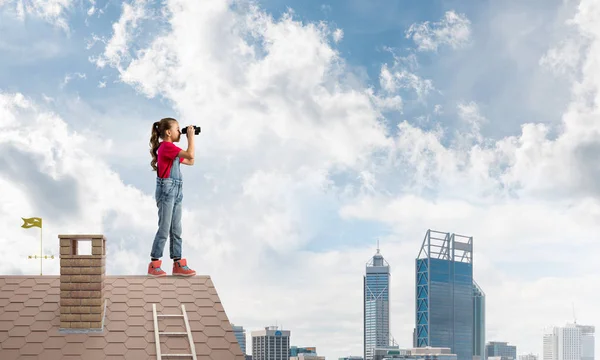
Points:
(30, 320)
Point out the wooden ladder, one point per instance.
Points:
(188, 332)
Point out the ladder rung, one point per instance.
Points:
(172, 333)
(170, 315)
(181, 355)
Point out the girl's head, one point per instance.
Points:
(166, 129)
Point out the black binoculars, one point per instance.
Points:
(196, 130)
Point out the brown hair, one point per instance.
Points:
(159, 129)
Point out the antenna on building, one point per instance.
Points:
(574, 317)
(378, 245)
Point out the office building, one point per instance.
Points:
(587, 341)
(271, 344)
(572, 342)
(376, 305)
(478, 323)
(501, 351)
(444, 293)
(240, 335)
(295, 351)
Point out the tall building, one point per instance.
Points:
(572, 342)
(240, 335)
(271, 344)
(444, 293)
(376, 305)
(501, 350)
(587, 341)
(550, 350)
(478, 323)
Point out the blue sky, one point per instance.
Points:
(323, 131)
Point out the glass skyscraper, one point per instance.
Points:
(240, 335)
(376, 286)
(444, 293)
(478, 322)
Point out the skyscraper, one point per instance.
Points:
(572, 342)
(271, 344)
(240, 335)
(587, 341)
(376, 304)
(444, 293)
(478, 322)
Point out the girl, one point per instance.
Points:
(169, 195)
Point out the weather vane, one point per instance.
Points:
(37, 222)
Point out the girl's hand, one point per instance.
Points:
(190, 132)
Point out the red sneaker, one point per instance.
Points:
(155, 270)
(180, 268)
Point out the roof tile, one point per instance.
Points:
(13, 342)
(115, 349)
(24, 321)
(116, 337)
(17, 331)
(55, 342)
(136, 342)
(95, 342)
(10, 354)
(37, 337)
(32, 349)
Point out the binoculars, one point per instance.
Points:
(196, 130)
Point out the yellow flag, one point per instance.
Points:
(31, 222)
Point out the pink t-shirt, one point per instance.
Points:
(167, 152)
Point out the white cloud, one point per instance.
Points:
(453, 30)
(391, 80)
(52, 11)
(70, 76)
(117, 48)
(338, 34)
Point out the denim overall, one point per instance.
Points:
(168, 197)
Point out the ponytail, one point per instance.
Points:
(158, 131)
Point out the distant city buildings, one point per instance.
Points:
(376, 305)
(528, 357)
(295, 351)
(240, 335)
(497, 350)
(271, 344)
(571, 342)
(444, 293)
(423, 353)
(303, 356)
(351, 358)
(304, 353)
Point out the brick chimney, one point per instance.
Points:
(82, 303)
